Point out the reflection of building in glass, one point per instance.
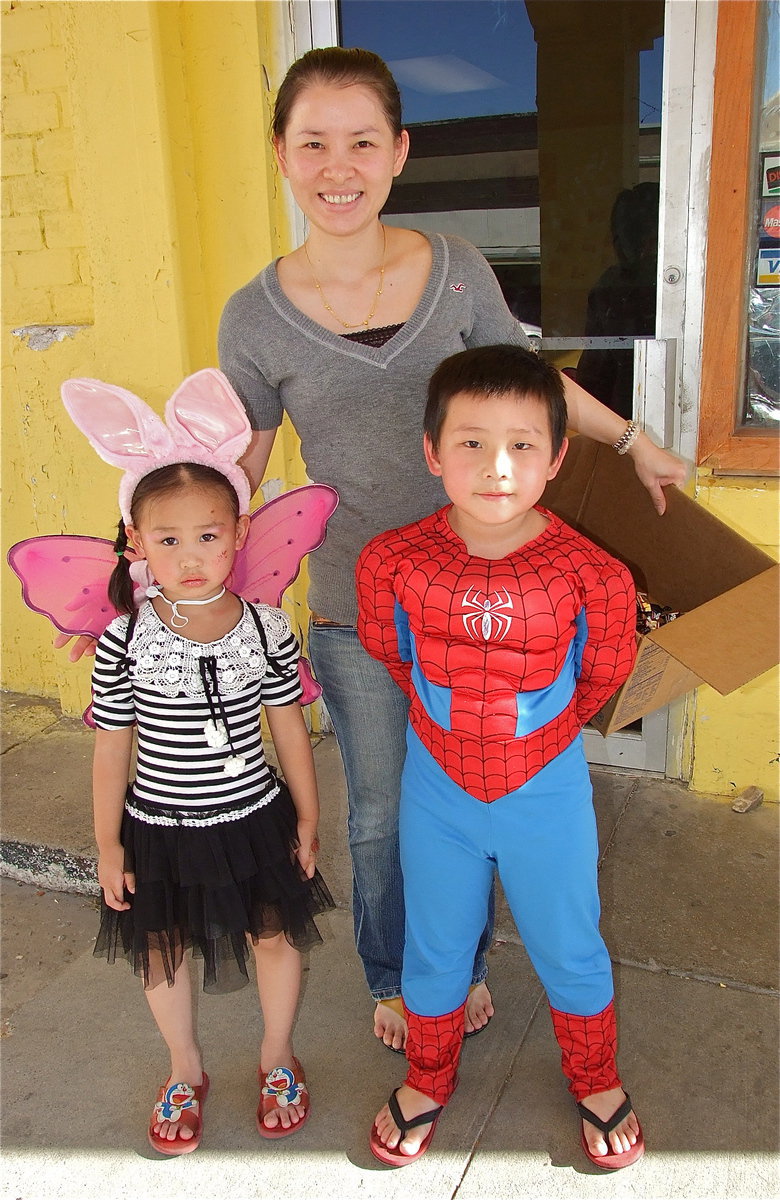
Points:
(527, 119)
(622, 302)
(762, 388)
(479, 178)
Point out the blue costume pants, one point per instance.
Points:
(542, 840)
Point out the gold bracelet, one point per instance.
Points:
(626, 441)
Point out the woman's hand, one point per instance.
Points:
(83, 645)
(657, 468)
(114, 879)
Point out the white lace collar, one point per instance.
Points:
(168, 663)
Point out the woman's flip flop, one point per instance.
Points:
(179, 1103)
(611, 1161)
(281, 1088)
(395, 1158)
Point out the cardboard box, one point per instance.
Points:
(727, 590)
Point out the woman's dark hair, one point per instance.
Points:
(161, 482)
(501, 370)
(335, 65)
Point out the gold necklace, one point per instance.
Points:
(327, 307)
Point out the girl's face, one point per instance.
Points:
(189, 538)
(340, 156)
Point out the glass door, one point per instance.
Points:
(538, 133)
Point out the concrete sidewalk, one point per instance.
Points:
(689, 891)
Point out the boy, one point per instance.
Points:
(508, 631)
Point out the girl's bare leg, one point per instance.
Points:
(278, 983)
(172, 1010)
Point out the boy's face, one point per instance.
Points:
(494, 456)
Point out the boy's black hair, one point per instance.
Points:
(500, 370)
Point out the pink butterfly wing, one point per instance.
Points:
(311, 689)
(66, 578)
(281, 533)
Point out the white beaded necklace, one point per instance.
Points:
(178, 620)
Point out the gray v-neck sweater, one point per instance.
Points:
(358, 410)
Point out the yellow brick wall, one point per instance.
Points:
(45, 260)
(139, 194)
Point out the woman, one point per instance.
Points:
(343, 334)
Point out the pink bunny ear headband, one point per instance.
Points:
(205, 423)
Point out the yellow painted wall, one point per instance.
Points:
(736, 738)
(138, 194)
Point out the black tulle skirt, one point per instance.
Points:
(205, 889)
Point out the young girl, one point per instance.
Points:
(206, 848)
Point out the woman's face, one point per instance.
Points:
(340, 156)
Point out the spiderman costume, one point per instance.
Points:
(504, 661)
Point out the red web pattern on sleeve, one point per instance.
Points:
(376, 607)
(610, 651)
(433, 1047)
(588, 1049)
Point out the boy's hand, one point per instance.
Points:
(83, 645)
(308, 849)
(114, 879)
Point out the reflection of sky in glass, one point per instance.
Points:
(493, 36)
(466, 58)
(651, 65)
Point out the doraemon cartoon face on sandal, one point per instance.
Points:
(283, 1087)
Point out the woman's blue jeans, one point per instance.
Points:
(369, 714)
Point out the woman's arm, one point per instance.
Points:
(110, 771)
(293, 749)
(655, 467)
(255, 459)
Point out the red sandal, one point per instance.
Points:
(280, 1088)
(179, 1102)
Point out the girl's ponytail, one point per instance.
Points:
(120, 585)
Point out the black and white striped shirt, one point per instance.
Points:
(156, 683)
